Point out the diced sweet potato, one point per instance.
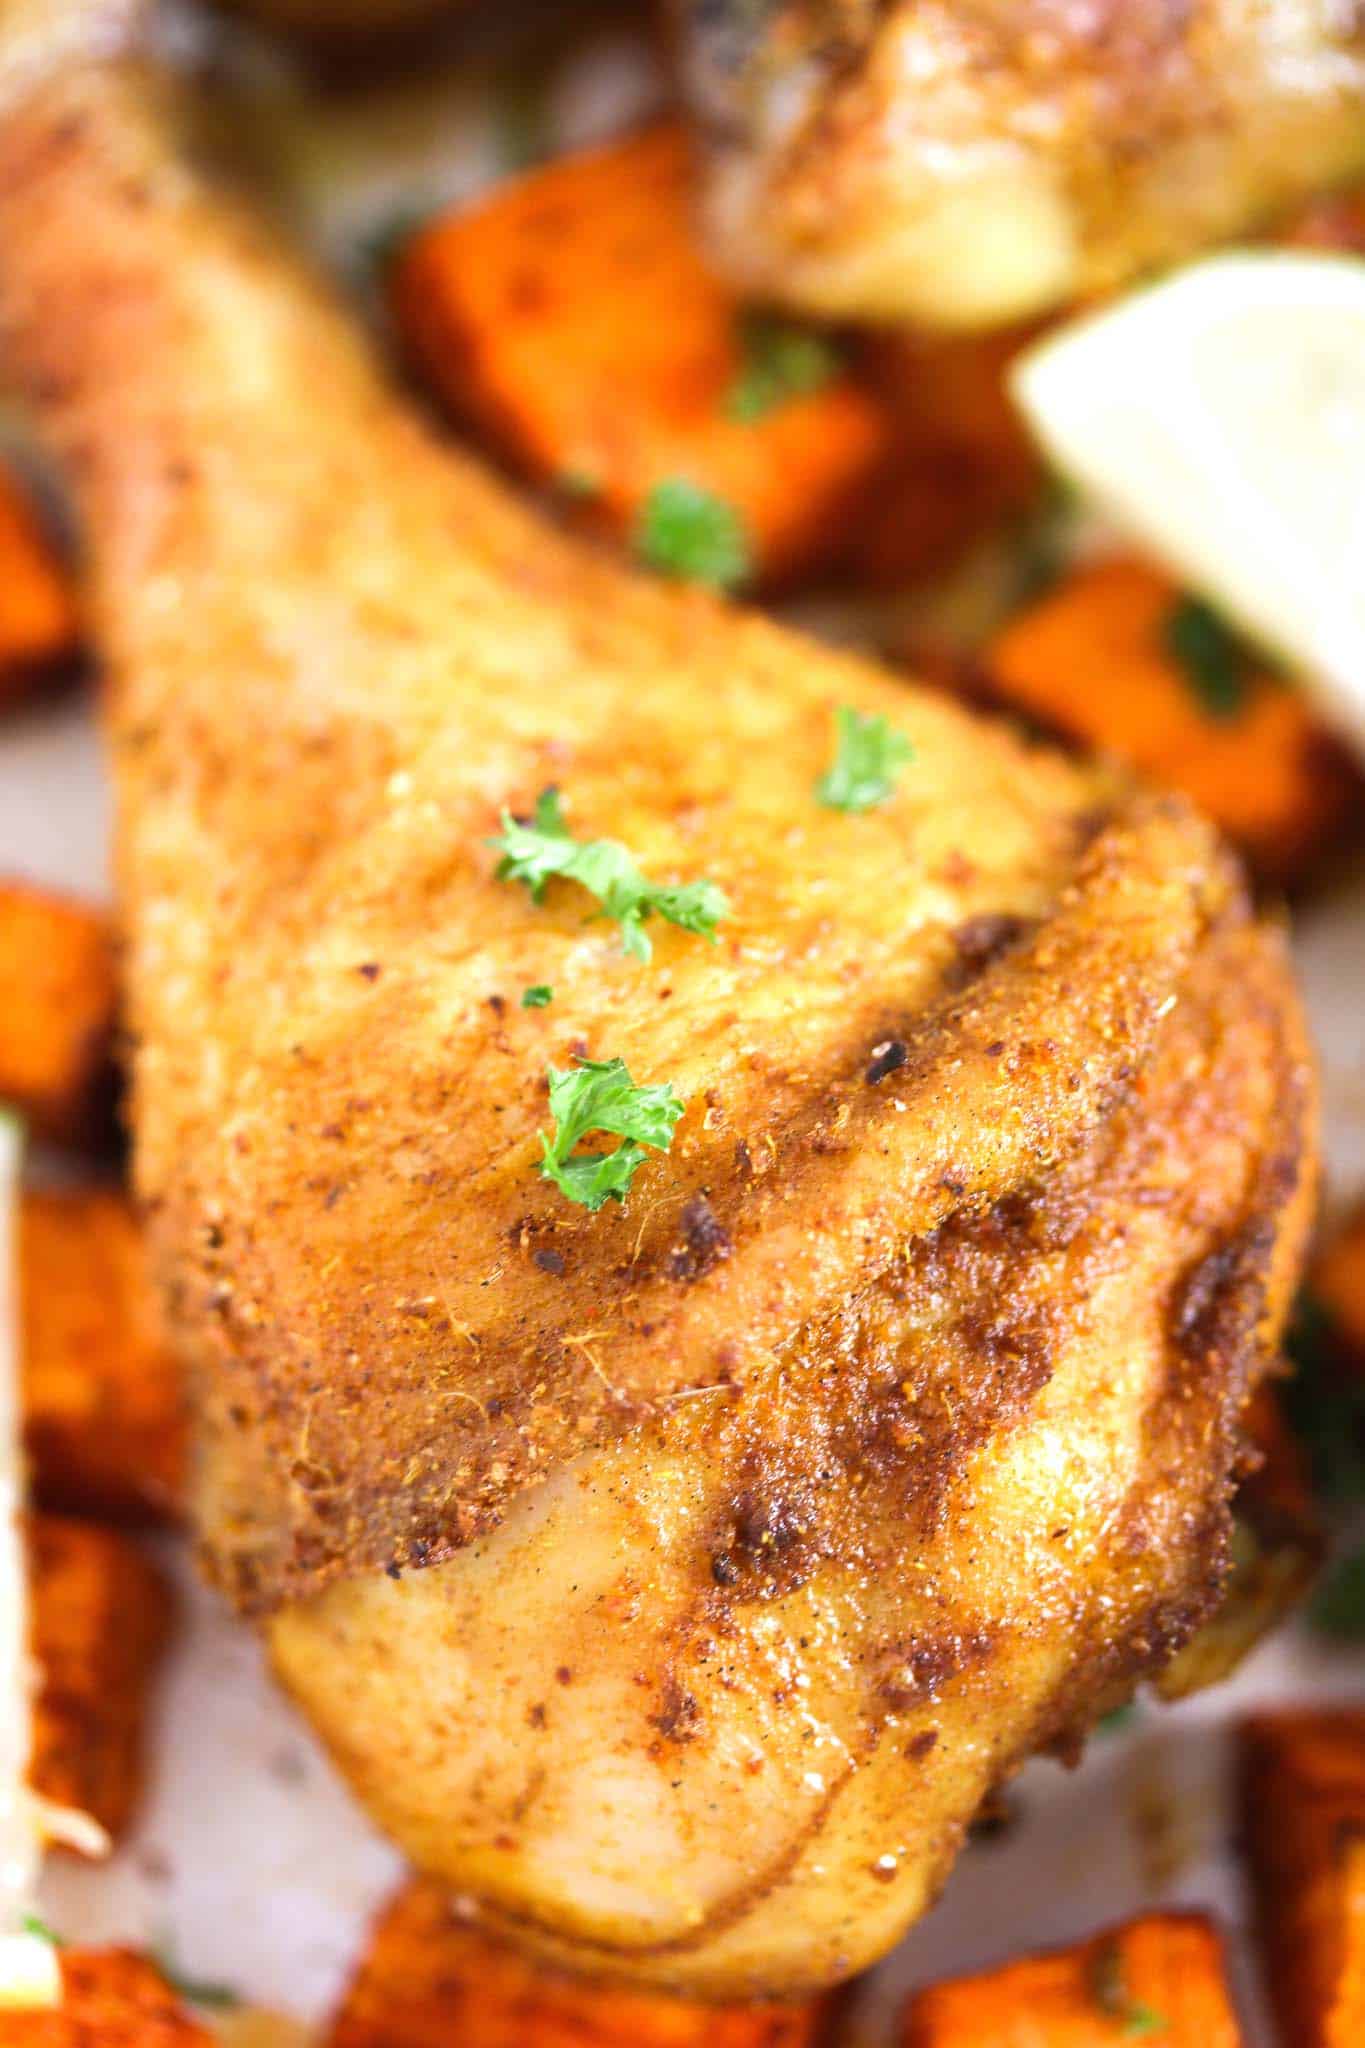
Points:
(100, 1617)
(111, 1998)
(1277, 1547)
(430, 1980)
(1337, 1284)
(57, 1002)
(1094, 659)
(1303, 1819)
(104, 1414)
(569, 319)
(38, 621)
(959, 459)
(1161, 1977)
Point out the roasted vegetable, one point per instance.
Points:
(1337, 1287)
(100, 1617)
(111, 1998)
(1119, 659)
(38, 620)
(104, 1416)
(1303, 1820)
(570, 320)
(1162, 1977)
(57, 996)
(430, 1980)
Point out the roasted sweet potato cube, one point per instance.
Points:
(39, 629)
(1337, 1284)
(57, 1001)
(1162, 1977)
(111, 1998)
(1097, 659)
(569, 319)
(1303, 1820)
(430, 1980)
(100, 1617)
(104, 1414)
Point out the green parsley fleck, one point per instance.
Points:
(1216, 664)
(867, 762)
(31, 1924)
(1121, 1718)
(686, 531)
(1326, 1407)
(578, 482)
(195, 1991)
(534, 851)
(539, 997)
(779, 361)
(1132, 2019)
(1338, 1610)
(599, 1095)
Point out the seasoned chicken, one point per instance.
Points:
(965, 165)
(673, 1578)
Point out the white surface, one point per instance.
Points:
(251, 1866)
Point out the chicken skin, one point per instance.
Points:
(672, 1578)
(965, 166)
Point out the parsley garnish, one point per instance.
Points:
(31, 1924)
(1326, 1407)
(1217, 666)
(194, 1990)
(1121, 1718)
(779, 361)
(534, 852)
(1108, 1988)
(537, 998)
(686, 531)
(1339, 1607)
(599, 1095)
(867, 762)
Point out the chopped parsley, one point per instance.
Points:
(195, 1991)
(538, 997)
(1215, 662)
(868, 759)
(1133, 2019)
(778, 361)
(39, 1929)
(1338, 1610)
(1326, 1407)
(1121, 1718)
(686, 531)
(599, 1095)
(537, 850)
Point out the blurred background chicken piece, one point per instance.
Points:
(963, 166)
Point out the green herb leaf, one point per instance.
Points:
(1216, 664)
(599, 1095)
(688, 532)
(1141, 2020)
(195, 1991)
(1338, 1610)
(1326, 1407)
(867, 763)
(535, 852)
(779, 361)
(1121, 1718)
(538, 997)
(1109, 1991)
(31, 1924)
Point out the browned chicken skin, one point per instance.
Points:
(966, 163)
(886, 1433)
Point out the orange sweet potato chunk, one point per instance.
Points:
(104, 1412)
(39, 627)
(99, 1619)
(1161, 1978)
(111, 1998)
(1337, 1283)
(1092, 659)
(1303, 1821)
(57, 1003)
(430, 1980)
(569, 319)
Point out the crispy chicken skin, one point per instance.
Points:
(965, 165)
(676, 1579)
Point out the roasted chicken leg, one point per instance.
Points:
(674, 1579)
(965, 165)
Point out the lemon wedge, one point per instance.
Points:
(1219, 417)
